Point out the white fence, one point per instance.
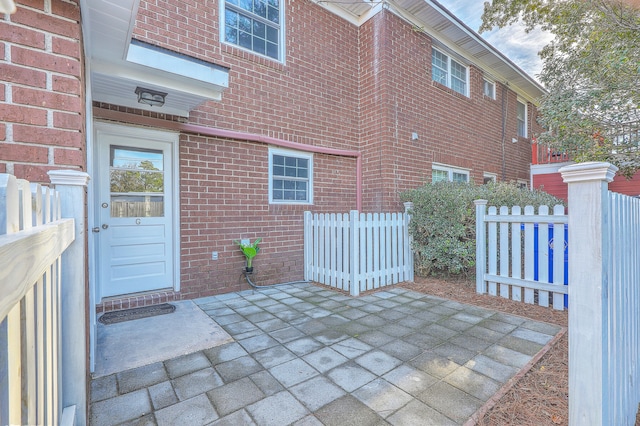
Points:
(604, 299)
(32, 239)
(521, 256)
(357, 252)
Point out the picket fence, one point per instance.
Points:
(357, 252)
(33, 237)
(604, 298)
(521, 256)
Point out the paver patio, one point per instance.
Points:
(305, 355)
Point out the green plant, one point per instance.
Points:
(249, 250)
(443, 222)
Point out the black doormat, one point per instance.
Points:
(114, 317)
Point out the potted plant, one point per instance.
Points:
(250, 250)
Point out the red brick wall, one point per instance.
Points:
(224, 198)
(41, 90)
(398, 97)
(341, 87)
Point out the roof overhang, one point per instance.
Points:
(446, 30)
(118, 65)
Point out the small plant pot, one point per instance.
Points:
(249, 269)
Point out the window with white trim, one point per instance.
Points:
(522, 118)
(489, 177)
(290, 177)
(254, 25)
(449, 72)
(441, 172)
(522, 184)
(489, 88)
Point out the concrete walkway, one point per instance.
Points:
(305, 355)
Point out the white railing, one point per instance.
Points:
(33, 237)
(604, 299)
(357, 252)
(521, 256)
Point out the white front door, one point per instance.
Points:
(135, 212)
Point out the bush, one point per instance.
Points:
(443, 222)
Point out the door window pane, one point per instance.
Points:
(136, 181)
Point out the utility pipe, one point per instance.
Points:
(108, 114)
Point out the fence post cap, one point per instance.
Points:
(592, 170)
(480, 202)
(408, 205)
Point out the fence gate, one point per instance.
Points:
(357, 252)
(522, 257)
(40, 381)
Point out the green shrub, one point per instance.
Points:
(443, 222)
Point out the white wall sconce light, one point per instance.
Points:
(150, 97)
(414, 136)
(514, 140)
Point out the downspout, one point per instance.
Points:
(504, 132)
(231, 134)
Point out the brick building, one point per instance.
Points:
(205, 122)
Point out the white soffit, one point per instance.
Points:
(118, 66)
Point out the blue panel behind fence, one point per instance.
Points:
(551, 247)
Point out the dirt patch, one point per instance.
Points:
(541, 397)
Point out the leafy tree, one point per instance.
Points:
(591, 71)
(143, 177)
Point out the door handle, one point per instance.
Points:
(96, 229)
(105, 226)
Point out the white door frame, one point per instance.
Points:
(161, 135)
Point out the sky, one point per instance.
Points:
(513, 42)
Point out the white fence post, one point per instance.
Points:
(71, 186)
(408, 207)
(481, 246)
(588, 287)
(308, 249)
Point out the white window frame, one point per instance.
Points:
(296, 154)
(448, 73)
(524, 121)
(488, 83)
(450, 170)
(522, 183)
(491, 176)
(281, 35)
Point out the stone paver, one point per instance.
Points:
(195, 411)
(120, 408)
(142, 377)
(277, 410)
(304, 355)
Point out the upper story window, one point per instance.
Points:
(290, 177)
(489, 88)
(441, 172)
(522, 119)
(449, 72)
(489, 178)
(254, 25)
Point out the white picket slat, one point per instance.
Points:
(529, 255)
(558, 257)
(504, 253)
(493, 252)
(543, 256)
(516, 254)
